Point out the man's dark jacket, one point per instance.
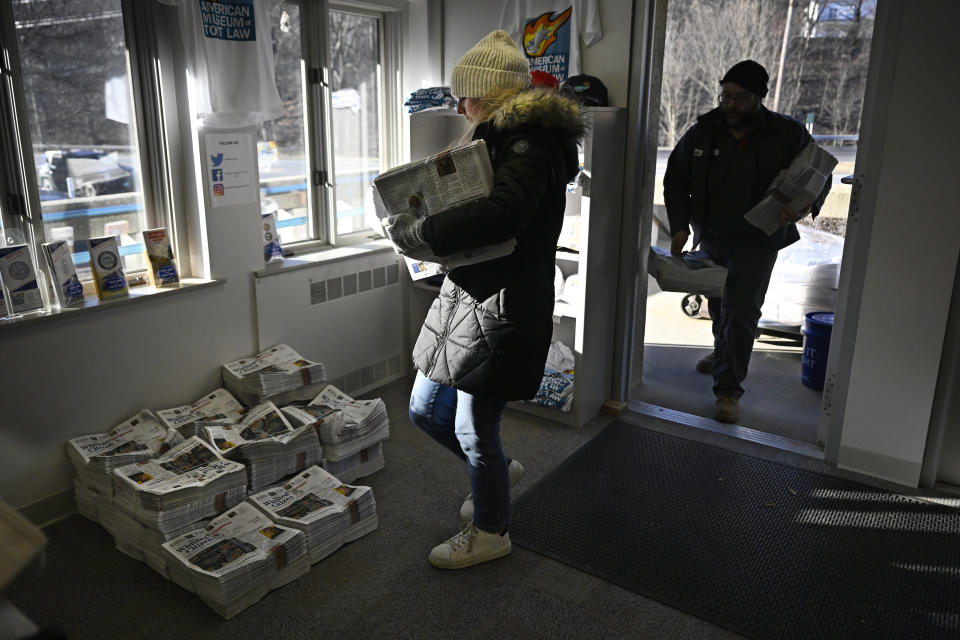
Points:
(777, 142)
(489, 330)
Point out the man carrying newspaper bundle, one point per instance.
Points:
(486, 336)
(741, 177)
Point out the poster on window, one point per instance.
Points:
(230, 170)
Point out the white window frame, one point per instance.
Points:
(18, 182)
(319, 132)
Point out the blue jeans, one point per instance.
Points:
(469, 426)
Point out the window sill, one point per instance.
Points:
(325, 255)
(138, 295)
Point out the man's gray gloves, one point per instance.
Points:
(405, 230)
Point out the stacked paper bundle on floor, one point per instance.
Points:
(188, 483)
(329, 512)
(267, 445)
(361, 464)
(237, 558)
(216, 408)
(279, 374)
(345, 426)
(96, 456)
(140, 541)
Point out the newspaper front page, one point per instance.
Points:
(796, 188)
(191, 464)
(217, 407)
(433, 185)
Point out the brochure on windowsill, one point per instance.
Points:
(432, 186)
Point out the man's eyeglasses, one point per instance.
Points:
(739, 98)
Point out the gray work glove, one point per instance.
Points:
(405, 230)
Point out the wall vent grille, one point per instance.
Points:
(379, 277)
(369, 376)
(318, 292)
(365, 280)
(353, 283)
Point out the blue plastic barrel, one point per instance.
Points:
(816, 342)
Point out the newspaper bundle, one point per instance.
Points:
(796, 188)
(345, 425)
(433, 185)
(96, 456)
(329, 512)
(215, 408)
(279, 374)
(139, 541)
(188, 483)
(365, 462)
(692, 272)
(267, 445)
(237, 558)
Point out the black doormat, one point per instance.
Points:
(761, 548)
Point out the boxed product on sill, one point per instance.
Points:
(107, 267)
(163, 269)
(18, 277)
(63, 273)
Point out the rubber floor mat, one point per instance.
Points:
(761, 548)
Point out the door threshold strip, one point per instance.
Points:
(734, 431)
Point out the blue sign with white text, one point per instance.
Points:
(228, 20)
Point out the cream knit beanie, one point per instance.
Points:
(493, 63)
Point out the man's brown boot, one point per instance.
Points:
(705, 364)
(728, 409)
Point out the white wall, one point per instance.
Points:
(466, 21)
(899, 292)
(87, 372)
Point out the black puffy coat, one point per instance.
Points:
(489, 330)
(685, 183)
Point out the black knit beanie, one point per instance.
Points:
(749, 75)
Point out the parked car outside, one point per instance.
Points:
(83, 174)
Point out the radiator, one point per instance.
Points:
(347, 314)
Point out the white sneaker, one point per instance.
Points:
(469, 547)
(515, 469)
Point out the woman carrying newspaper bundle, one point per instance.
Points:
(486, 336)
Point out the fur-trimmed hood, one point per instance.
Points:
(536, 107)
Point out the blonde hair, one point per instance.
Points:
(484, 109)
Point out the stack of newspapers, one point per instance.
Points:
(279, 374)
(96, 456)
(691, 272)
(351, 431)
(328, 511)
(188, 483)
(237, 558)
(432, 186)
(139, 541)
(267, 445)
(216, 408)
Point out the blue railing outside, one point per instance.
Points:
(82, 258)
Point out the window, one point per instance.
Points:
(91, 123)
(355, 63)
(316, 168)
(78, 108)
(281, 145)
